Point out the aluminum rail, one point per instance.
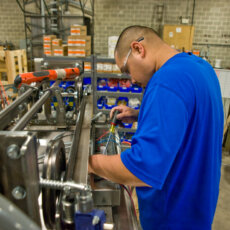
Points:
(75, 143)
(8, 114)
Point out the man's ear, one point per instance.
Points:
(138, 49)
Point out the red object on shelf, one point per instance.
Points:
(125, 83)
(113, 82)
(102, 82)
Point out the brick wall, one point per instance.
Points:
(211, 21)
(12, 22)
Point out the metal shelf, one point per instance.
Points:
(87, 74)
(113, 75)
(127, 130)
(106, 59)
(119, 94)
(116, 94)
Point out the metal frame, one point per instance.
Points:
(19, 171)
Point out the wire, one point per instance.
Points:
(126, 142)
(102, 135)
(131, 199)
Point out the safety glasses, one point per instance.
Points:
(124, 67)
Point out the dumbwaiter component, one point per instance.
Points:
(58, 74)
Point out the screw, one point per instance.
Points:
(21, 107)
(19, 193)
(13, 152)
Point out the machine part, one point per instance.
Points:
(60, 119)
(66, 186)
(96, 116)
(79, 95)
(58, 74)
(19, 193)
(10, 112)
(74, 146)
(10, 212)
(106, 193)
(108, 226)
(26, 118)
(93, 220)
(13, 152)
(47, 106)
(68, 208)
(19, 176)
(85, 201)
(54, 165)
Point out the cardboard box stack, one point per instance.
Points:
(47, 44)
(79, 44)
(87, 67)
(60, 50)
(78, 30)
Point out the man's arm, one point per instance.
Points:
(112, 168)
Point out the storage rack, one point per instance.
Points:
(97, 94)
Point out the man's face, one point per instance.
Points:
(132, 66)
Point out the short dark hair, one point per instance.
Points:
(130, 34)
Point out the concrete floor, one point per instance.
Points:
(222, 215)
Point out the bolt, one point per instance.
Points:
(46, 64)
(19, 193)
(95, 220)
(13, 152)
(22, 89)
(21, 107)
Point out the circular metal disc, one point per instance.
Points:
(54, 165)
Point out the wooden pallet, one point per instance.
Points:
(13, 62)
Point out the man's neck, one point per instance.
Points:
(163, 54)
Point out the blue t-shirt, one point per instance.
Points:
(177, 146)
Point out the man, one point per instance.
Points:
(175, 157)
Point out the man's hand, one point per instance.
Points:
(126, 115)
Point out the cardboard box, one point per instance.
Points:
(48, 52)
(60, 50)
(78, 51)
(57, 42)
(47, 46)
(78, 30)
(116, 69)
(80, 41)
(87, 66)
(179, 37)
(108, 67)
(100, 67)
(48, 38)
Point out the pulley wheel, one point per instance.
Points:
(54, 165)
